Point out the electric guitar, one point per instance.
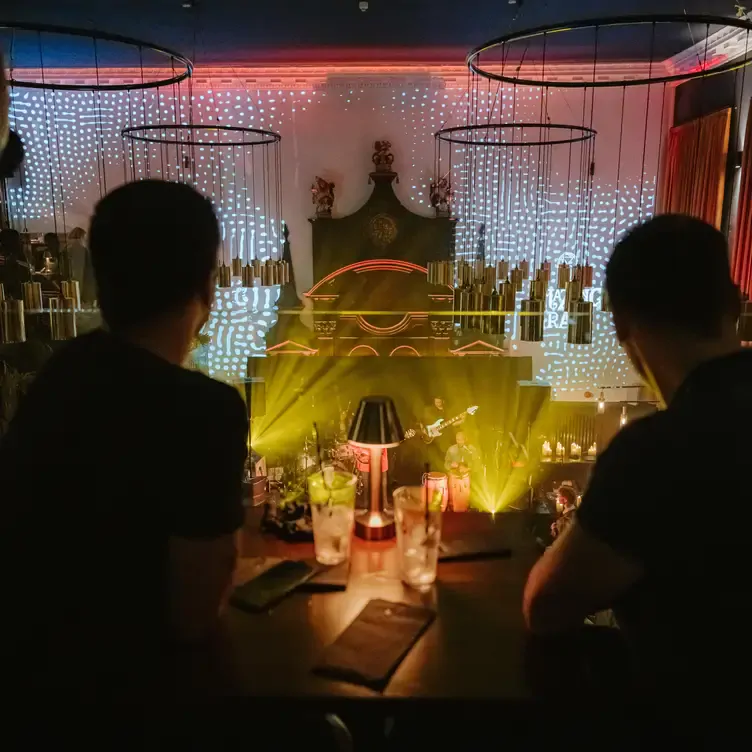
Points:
(429, 433)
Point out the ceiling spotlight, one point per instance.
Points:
(363, 5)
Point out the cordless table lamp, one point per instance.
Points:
(375, 427)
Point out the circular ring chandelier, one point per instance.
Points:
(34, 60)
(546, 34)
(245, 188)
(214, 135)
(495, 134)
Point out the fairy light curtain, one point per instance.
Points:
(620, 82)
(70, 89)
(238, 168)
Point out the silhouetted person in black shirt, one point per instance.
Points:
(11, 148)
(14, 270)
(121, 473)
(660, 532)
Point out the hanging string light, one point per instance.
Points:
(36, 75)
(252, 243)
(486, 279)
(519, 61)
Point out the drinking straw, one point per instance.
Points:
(427, 470)
(320, 455)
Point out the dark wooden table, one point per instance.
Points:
(475, 665)
(474, 649)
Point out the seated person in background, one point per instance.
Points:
(651, 537)
(52, 252)
(121, 472)
(78, 260)
(567, 499)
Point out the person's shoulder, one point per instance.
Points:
(643, 433)
(75, 354)
(211, 396)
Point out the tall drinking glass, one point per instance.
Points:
(332, 496)
(418, 517)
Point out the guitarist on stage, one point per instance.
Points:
(436, 410)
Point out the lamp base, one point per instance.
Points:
(374, 526)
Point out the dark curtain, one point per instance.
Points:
(695, 168)
(741, 264)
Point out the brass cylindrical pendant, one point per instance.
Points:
(502, 269)
(587, 276)
(538, 289)
(224, 276)
(247, 276)
(256, 267)
(236, 268)
(574, 293)
(531, 320)
(32, 296)
(57, 327)
(69, 318)
(457, 319)
(464, 306)
(563, 276)
(545, 272)
(489, 279)
(495, 322)
(605, 301)
(485, 321)
(516, 278)
(72, 289)
(580, 328)
(448, 274)
(476, 305)
(478, 268)
(2, 292)
(524, 266)
(12, 325)
(439, 273)
(431, 272)
(507, 293)
(461, 273)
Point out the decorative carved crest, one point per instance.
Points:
(382, 156)
(322, 195)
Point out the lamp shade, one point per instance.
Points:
(376, 423)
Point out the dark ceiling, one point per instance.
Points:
(266, 31)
